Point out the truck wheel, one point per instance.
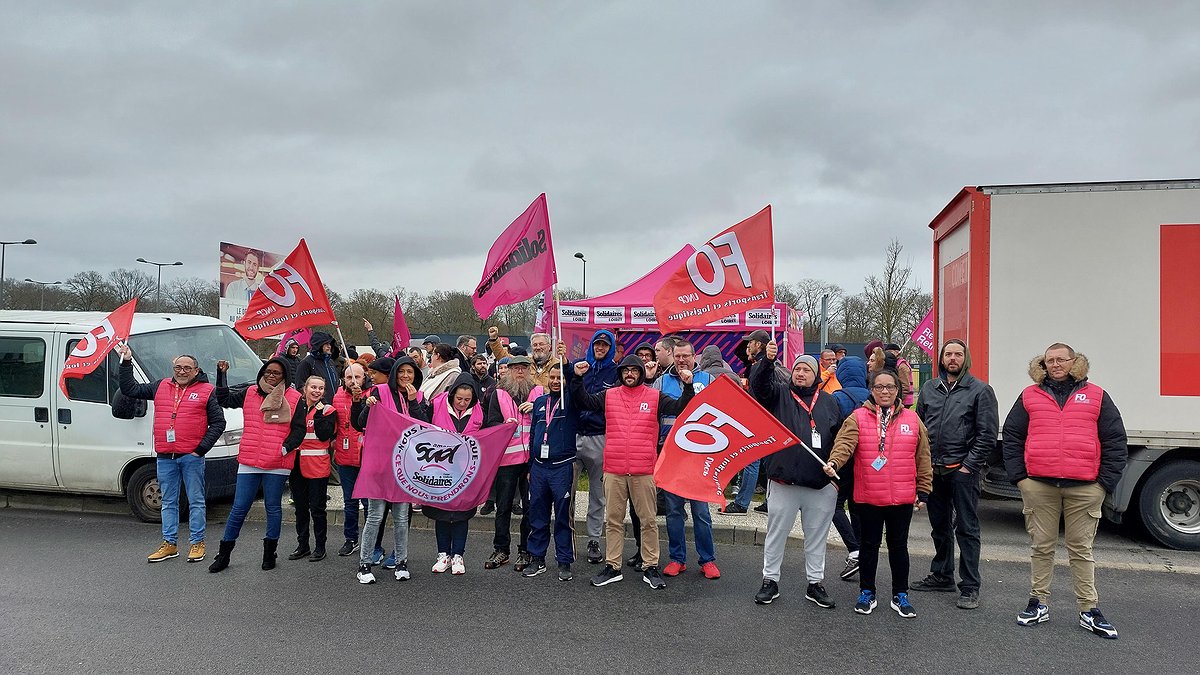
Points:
(143, 494)
(1169, 505)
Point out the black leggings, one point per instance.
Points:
(872, 521)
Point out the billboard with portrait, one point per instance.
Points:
(242, 270)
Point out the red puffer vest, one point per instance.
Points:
(631, 422)
(347, 444)
(1063, 442)
(262, 443)
(517, 451)
(184, 409)
(314, 453)
(896, 482)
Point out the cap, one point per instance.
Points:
(519, 361)
(383, 364)
(602, 337)
(891, 346)
(759, 335)
(808, 361)
(504, 361)
(430, 340)
(835, 347)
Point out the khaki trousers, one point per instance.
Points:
(618, 491)
(1079, 508)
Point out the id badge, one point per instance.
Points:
(345, 443)
(816, 440)
(878, 463)
(171, 435)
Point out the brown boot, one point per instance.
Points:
(166, 550)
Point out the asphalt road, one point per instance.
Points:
(78, 597)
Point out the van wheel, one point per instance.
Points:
(144, 495)
(1169, 505)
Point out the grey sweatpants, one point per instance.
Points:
(589, 451)
(815, 508)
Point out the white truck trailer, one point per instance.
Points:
(1112, 269)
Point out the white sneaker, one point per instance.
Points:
(402, 570)
(457, 566)
(364, 575)
(442, 564)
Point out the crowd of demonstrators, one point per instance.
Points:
(590, 439)
(1065, 447)
(314, 424)
(631, 413)
(188, 420)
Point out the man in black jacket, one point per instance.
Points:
(323, 360)
(960, 412)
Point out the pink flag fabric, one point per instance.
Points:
(923, 335)
(405, 460)
(400, 335)
(300, 335)
(521, 262)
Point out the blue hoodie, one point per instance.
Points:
(852, 374)
(601, 376)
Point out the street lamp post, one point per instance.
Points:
(580, 256)
(158, 287)
(43, 284)
(4, 247)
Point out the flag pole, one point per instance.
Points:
(562, 367)
(817, 457)
(338, 326)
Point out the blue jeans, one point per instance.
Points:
(243, 498)
(749, 481)
(451, 537)
(349, 475)
(188, 469)
(677, 533)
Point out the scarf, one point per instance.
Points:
(275, 408)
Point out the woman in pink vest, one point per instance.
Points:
(892, 476)
(456, 410)
(314, 425)
(267, 413)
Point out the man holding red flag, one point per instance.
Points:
(797, 483)
(187, 422)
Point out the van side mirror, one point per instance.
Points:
(139, 408)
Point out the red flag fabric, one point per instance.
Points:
(733, 272)
(720, 432)
(400, 335)
(521, 262)
(302, 336)
(89, 353)
(405, 460)
(290, 297)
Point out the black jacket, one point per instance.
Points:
(962, 419)
(668, 405)
(216, 417)
(324, 426)
(329, 369)
(793, 465)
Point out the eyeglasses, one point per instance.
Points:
(184, 369)
(273, 373)
(1057, 361)
(884, 387)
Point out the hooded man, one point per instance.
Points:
(632, 414)
(291, 358)
(601, 374)
(479, 371)
(323, 360)
(960, 413)
(713, 363)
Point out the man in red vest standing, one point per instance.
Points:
(187, 423)
(1065, 448)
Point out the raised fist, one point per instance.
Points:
(581, 368)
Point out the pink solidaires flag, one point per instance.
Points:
(521, 262)
(923, 335)
(301, 335)
(408, 461)
(400, 335)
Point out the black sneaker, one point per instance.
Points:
(535, 567)
(402, 571)
(968, 600)
(768, 592)
(1035, 612)
(518, 510)
(902, 606)
(318, 554)
(761, 508)
(488, 507)
(523, 561)
(734, 509)
(635, 561)
(564, 573)
(866, 602)
(364, 574)
(1094, 621)
(607, 576)
(300, 552)
(593, 552)
(817, 595)
(935, 583)
(850, 570)
(652, 577)
(497, 559)
(348, 548)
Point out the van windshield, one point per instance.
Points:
(155, 352)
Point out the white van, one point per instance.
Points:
(51, 443)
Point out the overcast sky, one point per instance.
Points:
(400, 138)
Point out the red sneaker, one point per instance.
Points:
(673, 569)
(710, 570)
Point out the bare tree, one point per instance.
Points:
(806, 296)
(90, 292)
(854, 320)
(128, 284)
(891, 301)
(192, 295)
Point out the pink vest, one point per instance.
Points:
(631, 425)
(896, 482)
(442, 417)
(1063, 442)
(384, 394)
(262, 443)
(189, 405)
(314, 453)
(517, 451)
(347, 445)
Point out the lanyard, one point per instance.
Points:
(177, 396)
(808, 408)
(884, 418)
(550, 412)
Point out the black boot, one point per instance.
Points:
(302, 551)
(222, 560)
(318, 552)
(269, 546)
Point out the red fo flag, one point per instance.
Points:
(97, 343)
(733, 272)
(720, 432)
(400, 335)
(521, 262)
(290, 297)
